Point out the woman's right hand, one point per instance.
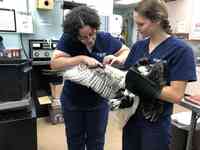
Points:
(111, 59)
(91, 62)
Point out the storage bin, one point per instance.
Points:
(18, 129)
(14, 79)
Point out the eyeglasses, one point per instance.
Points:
(91, 35)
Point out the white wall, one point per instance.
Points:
(104, 7)
(18, 5)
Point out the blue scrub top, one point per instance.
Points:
(178, 55)
(75, 96)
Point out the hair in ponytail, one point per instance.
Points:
(155, 10)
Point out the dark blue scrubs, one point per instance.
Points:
(141, 134)
(85, 112)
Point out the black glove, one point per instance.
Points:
(146, 84)
(146, 80)
(141, 86)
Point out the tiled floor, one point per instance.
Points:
(52, 137)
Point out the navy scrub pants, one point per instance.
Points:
(86, 129)
(140, 134)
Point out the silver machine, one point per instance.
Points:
(41, 51)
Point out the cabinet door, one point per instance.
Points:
(195, 22)
(180, 15)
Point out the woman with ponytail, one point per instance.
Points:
(149, 128)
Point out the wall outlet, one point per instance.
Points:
(45, 4)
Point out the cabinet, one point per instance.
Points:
(180, 15)
(195, 21)
(185, 18)
(18, 129)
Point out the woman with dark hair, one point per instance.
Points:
(85, 112)
(149, 127)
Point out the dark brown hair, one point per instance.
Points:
(154, 10)
(80, 17)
